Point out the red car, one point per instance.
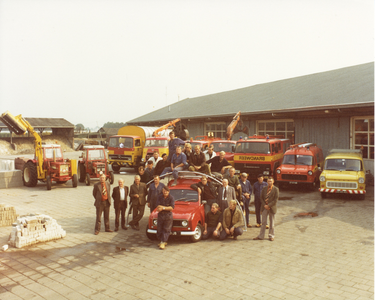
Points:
(188, 213)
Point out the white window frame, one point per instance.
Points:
(353, 131)
(224, 131)
(274, 121)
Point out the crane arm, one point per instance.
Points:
(233, 125)
(166, 126)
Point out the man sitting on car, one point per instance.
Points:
(212, 223)
(232, 221)
(198, 161)
(219, 165)
(208, 192)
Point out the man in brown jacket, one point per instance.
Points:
(232, 221)
(120, 202)
(268, 197)
(138, 193)
(101, 193)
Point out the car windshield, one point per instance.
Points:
(226, 147)
(48, 152)
(249, 147)
(156, 143)
(343, 164)
(184, 195)
(121, 142)
(298, 160)
(95, 154)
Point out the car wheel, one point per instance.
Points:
(323, 195)
(115, 167)
(49, 183)
(75, 180)
(151, 236)
(87, 181)
(197, 234)
(111, 178)
(81, 172)
(30, 174)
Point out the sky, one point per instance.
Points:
(98, 61)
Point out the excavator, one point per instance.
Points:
(48, 164)
(236, 126)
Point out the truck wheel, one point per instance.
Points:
(87, 181)
(197, 234)
(136, 169)
(75, 180)
(115, 167)
(314, 185)
(81, 172)
(151, 236)
(361, 196)
(49, 183)
(30, 174)
(323, 195)
(111, 178)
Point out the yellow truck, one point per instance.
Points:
(344, 172)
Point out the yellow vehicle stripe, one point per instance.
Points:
(263, 158)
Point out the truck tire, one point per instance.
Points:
(115, 167)
(87, 181)
(75, 180)
(49, 183)
(81, 172)
(30, 174)
(111, 178)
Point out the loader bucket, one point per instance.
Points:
(12, 123)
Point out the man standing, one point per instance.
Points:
(172, 145)
(198, 161)
(138, 193)
(212, 223)
(178, 163)
(120, 196)
(161, 165)
(165, 205)
(246, 194)
(268, 198)
(234, 182)
(232, 221)
(154, 191)
(225, 194)
(101, 193)
(258, 187)
(219, 165)
(208, 192)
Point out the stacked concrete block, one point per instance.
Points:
(7, 215)
(9, 176)
(32, 229)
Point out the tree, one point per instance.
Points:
(79, 127)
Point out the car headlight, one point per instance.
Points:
(322, 178)
(309, 172)
(185, 223)
(142, 160)
(266, 173)
(361, 180)
(278, 171)
(155, 222)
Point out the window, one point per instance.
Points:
(282, 128)
(363, 129)
(217, 129)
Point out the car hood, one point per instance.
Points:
(295, 168)
(342, 175)
(181, 210)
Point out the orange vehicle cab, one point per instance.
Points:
(259, 155)
(301, 164)
(227, 146)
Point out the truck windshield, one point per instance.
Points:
(121, 142)
(343, 164)
(184, 195)
(226, 147)
(48, 152)
(249, 147)
(306, 160)
(156, 143)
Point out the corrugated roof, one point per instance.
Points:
(46, 123)
(342, 87)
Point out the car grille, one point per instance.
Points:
(178, 223)
(293, 177)
(253, 169)
(342, 185)
(120, 157)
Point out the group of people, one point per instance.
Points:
(223, 217)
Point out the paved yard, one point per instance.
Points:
(330, 256)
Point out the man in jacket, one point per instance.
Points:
(138, 193)
(120, 195)
(212, 223)
(101, 193)
(162, 164)
(208, 192)
(246, 194)
(268, 198)
(232, 221)
(258, 187)
(198, 162)
(225, 194)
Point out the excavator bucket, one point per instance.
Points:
(12, 123)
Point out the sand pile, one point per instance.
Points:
(27, 146)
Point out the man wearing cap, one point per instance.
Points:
(258, 187)
(246, 194)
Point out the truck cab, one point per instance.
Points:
(153, 144)
(124, 151)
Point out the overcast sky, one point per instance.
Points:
(93, 61)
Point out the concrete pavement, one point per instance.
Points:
(330, 256)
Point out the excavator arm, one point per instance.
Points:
(19, 125)
(232, 127)
(164, 127)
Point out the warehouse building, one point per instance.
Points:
(334, 109)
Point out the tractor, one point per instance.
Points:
(93, 163)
